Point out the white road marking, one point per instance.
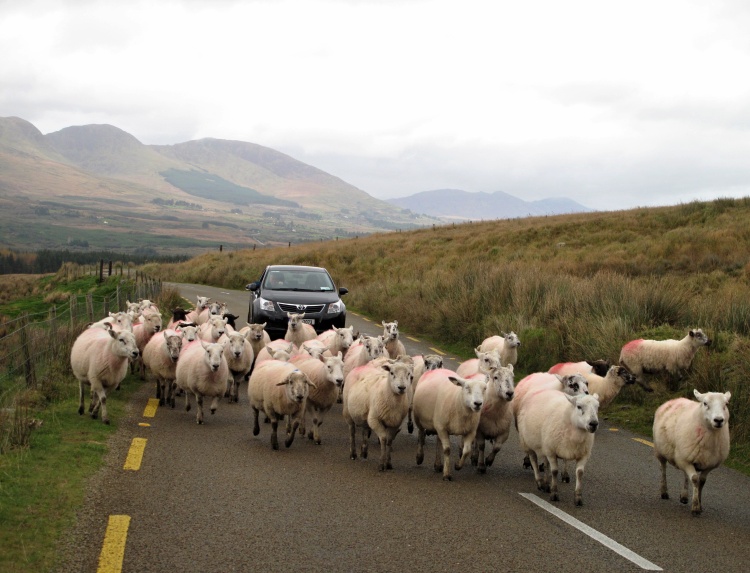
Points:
(593, 533)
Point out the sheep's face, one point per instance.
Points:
(375, 347)
(218, 326)
(314, 351)
(699, 338)
(623, 374)
(335, 369)
(296, 386)
(124, 344)
(189, 333)
(585, 411)
(511, 340)
(501, 382)
(488, 361)
(599, 367)
(123, 320)
(174, 345)
(714, 407)
(202, 303)
(574, 384)
(215, 309)
(390, 330)
(236, 345)
(345, 336)
(400, 376)
(256, 331)
(294, 320)
(214, 355)
(433, 362)
(472, 391)
(152, 322)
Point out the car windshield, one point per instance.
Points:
(313, 281)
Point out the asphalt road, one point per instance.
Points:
(214, 498)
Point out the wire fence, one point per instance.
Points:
(33, 341)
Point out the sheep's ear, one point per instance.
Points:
(560, 378)
(510, 367)
(395, 322)
(727, 396)
(571, 399)
(165, 333)
(503, 334)
(339, 355)
(204, 345)
(311, 383)
(698, 395)
(457, 381)
(112, 333)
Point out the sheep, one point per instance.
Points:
(143, 332)
(393, 345)
(99, 358)
(555, 425)
(693, 437)
(421, 365)
(327, 373)
(160, 359)
(651, 356)
(212, 329)
(279, 389)
(200, 313)
(203, 371)
(178, 315)
(365, 349)
(378, 402)
(338, 339)
(217, 308)
(274, 351)
(239, 355)
(506, 345)
(608, 387)
(231, 321)
(189, 330)
(298, 331)
(496, 416)
(117, 320)
(446, 404)
(484, 361)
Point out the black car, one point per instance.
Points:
(296, 289)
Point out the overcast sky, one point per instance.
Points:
(612, 103)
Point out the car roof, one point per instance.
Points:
(295, 268)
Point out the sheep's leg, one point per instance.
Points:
(199, 408)
(409, 421)
(552, 461)
(317, 422)
(684, 490)
(564, 476)
(540, 485)
(352, 441)
(439, 462)
(366, 433)
(663, 462)
(695, 478)
(701, 483)
(170, 393)
(467, 443)
(80, 398)
(496, 444)
(93, 404)
(477, 453)
(256, 425)
(158, 391)
(392, 432)
(579, 482)
(101, 402)
(444, 441)
(290, 435)
(420, 446)
(214, 405)
(274, 432)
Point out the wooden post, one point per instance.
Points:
(28, 365)
(90, 306)
(53, 338)
(117, 297)
(101, 270)
(73, 301)
(110, 268)
(105, 307)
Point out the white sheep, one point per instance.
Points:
(257, 336)
(143, 331)
(607, 387)
(239, 355)
(213, 329)
(338, 339)
(485, 361)
(278, 389)
(297, 331)
(362, 351)
(555, 425)
(446, 405)
(505, 344)
(496, 416)
(178, 315)
(693, 437)
(99, 358)
(378, 402)
(393, 344)
(118, 321)
(651, 356)
(202, 370)
(200, 313)
(160, 360)
(327, 373)
(274, 351)
(421, 365)
(189, 331)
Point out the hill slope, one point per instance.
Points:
(454, 204)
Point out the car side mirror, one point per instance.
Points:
(343, 291)
(252, 286)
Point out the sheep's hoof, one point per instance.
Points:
(410, 428)
(389, 466)
(381, 468)
(665, 495)
(554, 497)
(317, 442)
(94, 415)
(288, 442)
(352, 456)
(213, 411)
(447, 478)
(565, 479)
(482, 469)
(106, 422)
(420, 459)
(579, 502)
(256, 430)
(80, 411)
(187, 408)
(696, 512)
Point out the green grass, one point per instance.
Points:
(43, 485)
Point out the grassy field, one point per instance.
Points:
(573, 287)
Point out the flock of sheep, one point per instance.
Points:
(298, 379)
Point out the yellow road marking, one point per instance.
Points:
(113, 548)
(646, 442)
(413, 339)
(440, 352)
(135, 454)
(365, 319)
(151, 407)
(614, 429)
(144, 425)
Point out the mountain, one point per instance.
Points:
(456, 204)
(97, 186)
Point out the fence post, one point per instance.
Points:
(28, 365)
(90, 306)
(53, 338)
(101, 270)
(73, 302)
(110, 268)
(105, 307)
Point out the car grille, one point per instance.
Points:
(309, 308)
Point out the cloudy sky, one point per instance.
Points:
(615, 104)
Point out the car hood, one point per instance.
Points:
(300, 297)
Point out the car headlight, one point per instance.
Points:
(266, 304)
(335, 307)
